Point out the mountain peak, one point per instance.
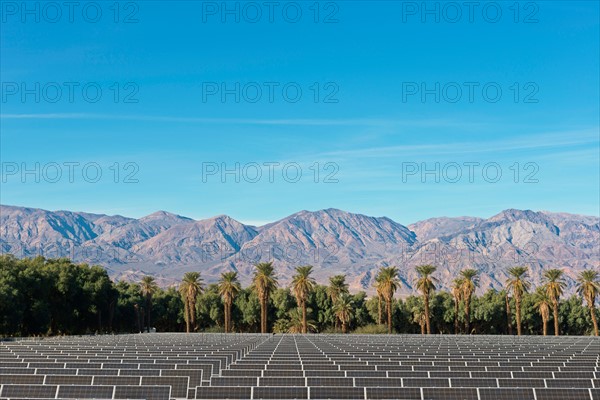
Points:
(163, 215)
(513, 214)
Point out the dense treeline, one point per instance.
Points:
(54, 296)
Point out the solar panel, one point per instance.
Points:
(85, 392)
(569, 383)
(29, 391)
(562, 394)
(273, 392)
(22, 379)
(450, 394)
(506, 394)
(336, 393)
(281, 381)
(396, 393)
(215, 392)
(143, 392)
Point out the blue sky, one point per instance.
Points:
(362, 120)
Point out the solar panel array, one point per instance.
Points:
(253, 366)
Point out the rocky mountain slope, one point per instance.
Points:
(334, 241)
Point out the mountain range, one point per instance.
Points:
(166, 245)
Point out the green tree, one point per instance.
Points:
(191, 286)
(298, 323)
(426, 285)
(264, 283)
(588, 286)
(343, 309)
(302, 285)
(518, 284)
(168, 310)
(229, 287)
(337, 288)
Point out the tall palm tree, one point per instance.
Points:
(542, 303)
(191, 286)
(263, 283)
(419, 316)
(302, 285)
(337, 288)
(457, 291)
(470, 282)
(588, 286)
(229, 287)
(148, 287)
(518, 284)
(389, 284)
(555, 286)
(426, 285)
(296, 323)
(343, 309)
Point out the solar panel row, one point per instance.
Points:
(219, 366)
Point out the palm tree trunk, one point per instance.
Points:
(263, 315)
(594, 320)
(149, 308)
(344, 327)
(389, 315)
(508, 315)
(226, 317)
(304, 329)
(137, 317)
(468, 315)
(192, 311)
(456, 310)
(225, 322)
(427, 319)
(186, 315)
(518, 311)
(379, 315)
(545, 325)
(555, 310)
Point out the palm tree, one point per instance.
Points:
(337, 287)
(426, 285)
(542, 303)
(148, 287)
(343, 309)
(555, 286)
(191, 286)
(470, 282)
(518, 284)
(388, 284)
(457, 291)
(588, 286)
(302, 285)
(297, 324)
(229, 287)
(419, 316)
(263, 283)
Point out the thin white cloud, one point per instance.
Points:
(529, 142)
(249, 121)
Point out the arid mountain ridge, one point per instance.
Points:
(166, 245)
